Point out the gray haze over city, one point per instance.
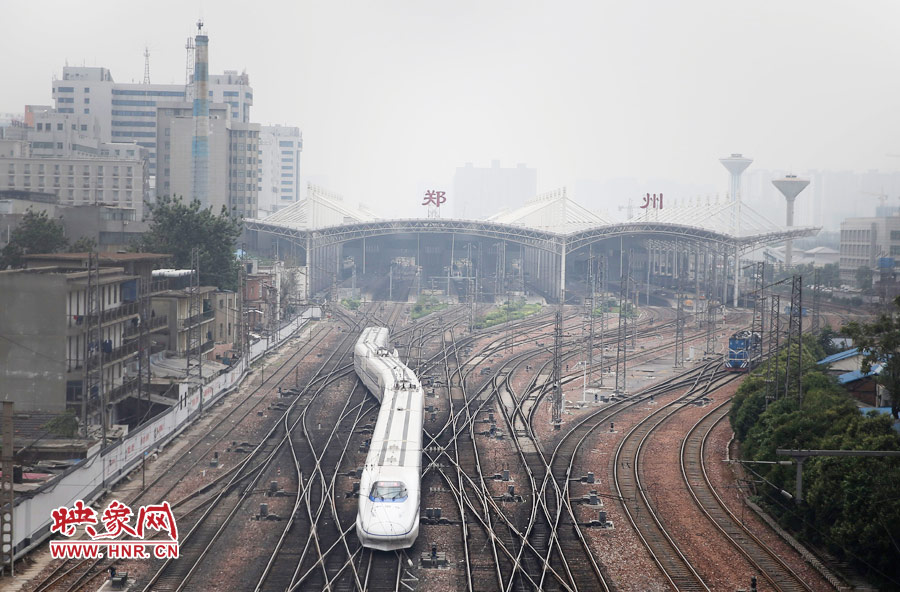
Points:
(610, 99)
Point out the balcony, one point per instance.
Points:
(110, 356)
(153, 324)
(109, 315)
(198, 319)
(204, 347)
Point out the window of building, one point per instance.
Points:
(83, 127)
(87, 100)
(87, 111)
(87, 89)
(59, 127)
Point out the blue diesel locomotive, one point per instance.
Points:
(744, 351)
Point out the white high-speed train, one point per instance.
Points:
(389, 490)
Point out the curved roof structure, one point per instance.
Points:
(550, 221)
(553, 212)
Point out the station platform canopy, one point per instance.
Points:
(550, 220)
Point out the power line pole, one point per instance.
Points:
(679, 329)
(622, 337)
(795, 336)
(602, 271)
(817, 289)
(93, 346)
(712, 321)
(193, 356)
(557, 374)
(7, 495)
(772, 355)
(757, 325)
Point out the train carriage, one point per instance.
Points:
(389, 488)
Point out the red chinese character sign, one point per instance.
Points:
(122, 539)
(434, 199)
(653, 202)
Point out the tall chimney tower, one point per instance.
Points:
(790, 187)
(200, 144)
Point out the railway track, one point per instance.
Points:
(693, 469)
(664, 550)
(526, 550)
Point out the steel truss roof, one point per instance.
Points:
(540, 239)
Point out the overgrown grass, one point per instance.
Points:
(426, 304)
(350, 303)
(513, 311)
(612, 306)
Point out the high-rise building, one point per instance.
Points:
(233, 165)
(127, 112)
(279, 169)
(481, 192)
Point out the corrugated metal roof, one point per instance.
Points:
(848, 353)
(858, 374)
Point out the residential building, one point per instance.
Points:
(110, 181)
(479, 192)
(127, 112)
(127, 404)
(279, 167)
(44, 323)
(864, 241)
(176, 306)
(227, 326)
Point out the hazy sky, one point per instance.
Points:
(393, 93)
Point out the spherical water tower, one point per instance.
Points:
(790, 187)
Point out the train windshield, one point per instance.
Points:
(388, 491)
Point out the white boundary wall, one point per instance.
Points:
(90, 478)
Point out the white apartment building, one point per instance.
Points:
(117, 182)
(864, 241)
(126, 112)
(279, 169)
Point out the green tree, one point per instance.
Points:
(177, 227)
(36, 233)
(880, 340)
(864, 278)
(830, 275)
(85, 244)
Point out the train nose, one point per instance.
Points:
(386, 528)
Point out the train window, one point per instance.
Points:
(388, 491)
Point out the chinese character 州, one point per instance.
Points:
(435, 198)
(655, 201)
(66, 519)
